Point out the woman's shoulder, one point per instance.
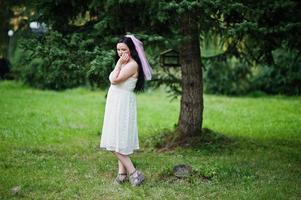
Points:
(131, 64)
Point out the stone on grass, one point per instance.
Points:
(182, 171)
(16, 190)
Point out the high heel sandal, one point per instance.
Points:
(136, 178)
(121, 178)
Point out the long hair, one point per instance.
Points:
(141, 80)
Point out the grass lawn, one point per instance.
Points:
(49, 147)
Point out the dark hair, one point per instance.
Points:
(141, 80)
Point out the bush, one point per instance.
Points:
(230, 76)
(4, 68)
(55, 61)
(100, 67)
(226, 76)
(284, 77)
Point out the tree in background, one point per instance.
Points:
(249, 31)
(253, 35)
(4, 27)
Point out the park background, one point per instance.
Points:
(56, 56)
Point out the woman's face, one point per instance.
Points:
(122, 48)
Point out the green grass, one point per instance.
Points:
(49, 146)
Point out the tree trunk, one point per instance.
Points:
(4, 23)
(191, 113)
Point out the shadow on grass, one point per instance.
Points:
(242, 159)
(169, 140)
(211, 141)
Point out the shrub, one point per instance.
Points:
(55, 61)
(100, 67)
(284, 77)
(231, 76)
(226, 76)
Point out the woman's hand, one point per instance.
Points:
(124, 58)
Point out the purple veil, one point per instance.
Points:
(147, 70)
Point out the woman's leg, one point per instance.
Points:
(122, 173)
(121, 168)
(136, 177)
(126, 162)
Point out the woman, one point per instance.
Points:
(120, 132)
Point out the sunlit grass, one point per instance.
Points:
(49, 146)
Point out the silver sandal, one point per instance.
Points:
(136, 178)
(121, 178)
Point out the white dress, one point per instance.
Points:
(120, 131)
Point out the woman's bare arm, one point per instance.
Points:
(123, 74)
(115, 72)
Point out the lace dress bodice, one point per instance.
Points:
(128, 84)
